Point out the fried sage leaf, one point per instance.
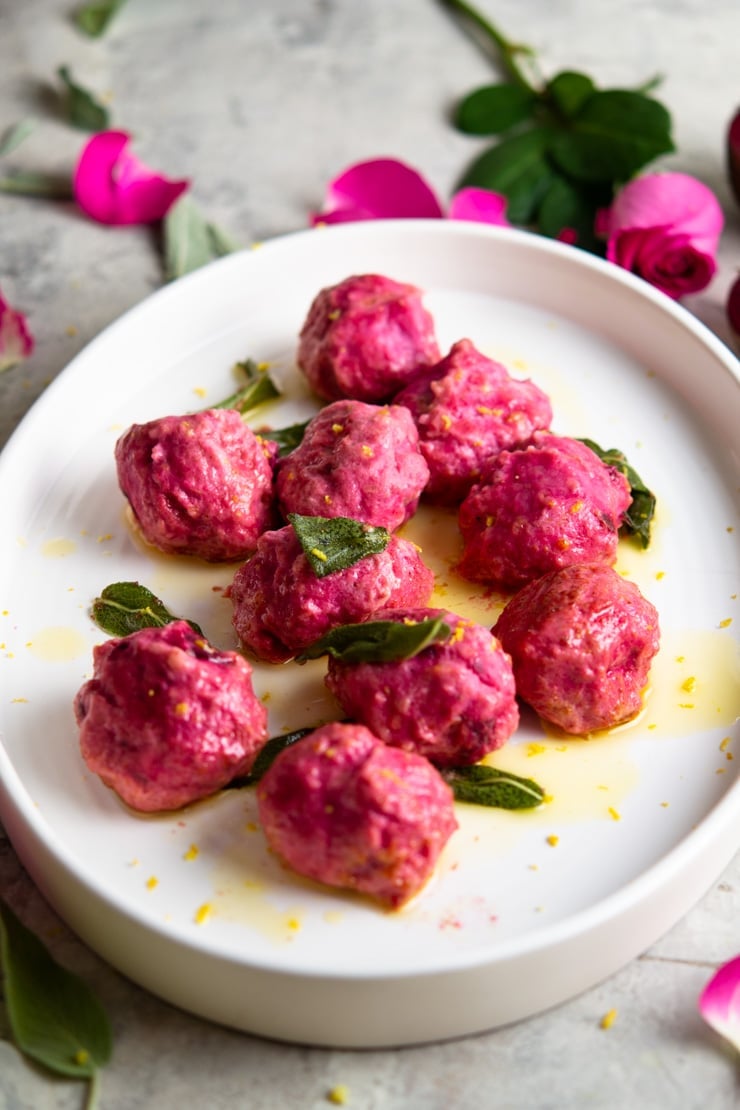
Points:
(639, 515)
(288, 438)
(54, 1017)
(378, 641)
(125, 607)
(482, 785)
(268, 754)
(259, 389)
(336, 543)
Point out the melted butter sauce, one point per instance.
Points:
(694, 686)
(58, 548)
(57, 644)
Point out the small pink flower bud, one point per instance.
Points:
(733, 154)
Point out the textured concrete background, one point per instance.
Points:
(260, 104)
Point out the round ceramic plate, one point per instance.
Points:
(525, 909)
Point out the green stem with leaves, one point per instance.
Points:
(509, 51)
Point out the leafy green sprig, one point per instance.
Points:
(563, 145)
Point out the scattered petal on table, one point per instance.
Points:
(113, 187)
(719, 1003)
(382, 188)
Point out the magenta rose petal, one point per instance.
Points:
(480, 205)
(112, 186)
(382, 188)
(719, 1002)
(16, 341)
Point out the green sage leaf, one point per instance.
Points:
(190, 241)
(83, 110)
(569, 91)
(518, 168)
(267, 755)
(94, 18)
(260, 389)
(54, 1017)
(639, 516)
(378, 641)
(32, 184)
(494, 109)
(614, 135)
(288, 438)
(125, 607)
(336, 543)
(13, 136)
(482, 785)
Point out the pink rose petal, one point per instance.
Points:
(113, 187)
(719, 1002)
(382, 188)
(479, 205)
(16, 341)
(665, 228)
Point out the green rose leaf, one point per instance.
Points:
(83, 110)
(482, 785)
(336, 543)
(569, 204)
(378, 641)
(125, 607)
(54, 1017)
(639, 516)
(518, 168)
(568, 91)
(614, 135)
(190, 241)
(494, 109)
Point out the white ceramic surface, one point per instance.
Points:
(527, 909)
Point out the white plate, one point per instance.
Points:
(191, 905)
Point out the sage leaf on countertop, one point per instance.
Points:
(378, 641)
(259, 389)
(32, 184)
(126, 607)
(336, 543)
(191, 241)
(54, 1017)
(94, 18)
(82, 109)
(482, 785)
(639, 515)
(16, 134)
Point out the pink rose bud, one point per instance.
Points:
(733, 305)
(733, 154)
(665, 228)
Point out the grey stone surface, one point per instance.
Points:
(260, 104)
